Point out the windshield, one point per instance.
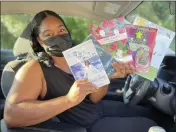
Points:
(12, 25)
(157, 12)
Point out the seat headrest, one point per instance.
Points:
(23, 44)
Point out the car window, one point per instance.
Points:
(12, 25)
(11, 28)
(158, 12)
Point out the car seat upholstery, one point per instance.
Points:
(6, 56)
(23, 47)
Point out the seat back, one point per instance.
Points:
(22, 48)
(8, 75)
(6, 56)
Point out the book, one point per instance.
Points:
(85, 63)
(141, 42)
(164, 39)
(105, 58)
(112, 36)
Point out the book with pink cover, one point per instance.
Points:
(164, 38)
(112, 36)
(141, 42)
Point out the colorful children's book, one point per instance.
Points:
(85, 63)
(141, 42)
(106, 59)
(163, 40)
(113, 37)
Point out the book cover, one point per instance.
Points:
(105, 58)
(141, 42)
(112, 36)
(85, 63)
(163, 40)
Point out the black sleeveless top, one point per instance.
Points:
(58, 84)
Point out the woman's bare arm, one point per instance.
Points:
(99, 94)
(121, 71)
(22, 107)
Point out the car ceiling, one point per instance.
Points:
(91, 10)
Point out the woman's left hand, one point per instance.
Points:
(122, 69)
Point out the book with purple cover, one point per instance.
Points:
(164, 38)
(141, 42)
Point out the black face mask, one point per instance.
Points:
(57, 44)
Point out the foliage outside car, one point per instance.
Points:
(13, 25)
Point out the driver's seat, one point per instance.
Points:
(21, 48)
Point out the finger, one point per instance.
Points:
(122, 66)
(123, 71)
(90, 90)
(113, 76)
(116, 75)
(86, 89)
(127, 71)
(127, 66)
(94, 86)
(132, 67)
(114, 63)
(120, 70)
(90, 85)
(118, 67)
(131, 70)
(82, 81)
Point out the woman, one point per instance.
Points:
(45, 88)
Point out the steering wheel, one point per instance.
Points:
(135, 89)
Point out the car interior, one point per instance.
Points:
(159, 95)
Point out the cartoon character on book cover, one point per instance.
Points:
(163, 40)
(141, 42)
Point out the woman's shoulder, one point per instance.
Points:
(32, 64)
(30, 67)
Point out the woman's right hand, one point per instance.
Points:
(79, 90)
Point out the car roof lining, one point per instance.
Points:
(90, 10)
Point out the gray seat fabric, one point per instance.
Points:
(5, 57)
(8, 75)
(22, 47)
